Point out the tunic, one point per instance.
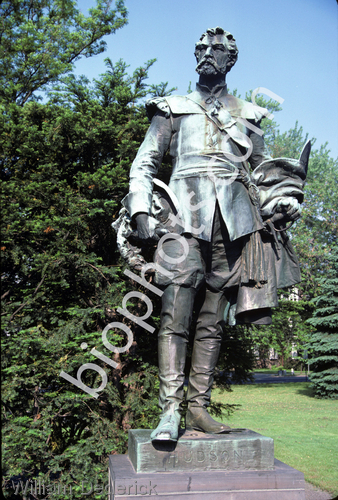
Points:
(210, 151)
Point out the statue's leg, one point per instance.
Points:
(177, 306)
(205, 354)
(222, 277)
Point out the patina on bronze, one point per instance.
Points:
(230, 202)
(246, 450)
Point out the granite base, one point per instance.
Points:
(203, 467)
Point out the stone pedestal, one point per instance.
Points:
(237, 466)
(197, 451)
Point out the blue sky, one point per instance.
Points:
(289, 47)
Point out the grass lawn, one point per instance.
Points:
(304, 429)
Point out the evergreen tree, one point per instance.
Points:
(65, 169)
(323, 345)
(41, 40)
(311, 235)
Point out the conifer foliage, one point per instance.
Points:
(324, 341)
(65, 169)
(41, 39)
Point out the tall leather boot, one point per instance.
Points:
(177, 306)
(205, 354)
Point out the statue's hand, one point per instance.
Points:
(145, 231)
(290, 208)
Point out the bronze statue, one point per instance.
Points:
(225, 212)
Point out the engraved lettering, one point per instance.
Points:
(200, 456)
(225, 456)
(213, 456)
(250, 456)
(188, 456)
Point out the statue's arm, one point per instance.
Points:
(260, 151)
(146, 165)
(286, 203)
(280, 192)
(138, 201)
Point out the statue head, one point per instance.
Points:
(216, 52)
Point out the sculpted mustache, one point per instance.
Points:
(207, 61)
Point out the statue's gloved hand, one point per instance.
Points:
(142, 223)
(288, 209)
(148, 231)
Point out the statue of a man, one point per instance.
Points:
(225, 246)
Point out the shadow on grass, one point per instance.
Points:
(306, 391)
(266, 385)
(303, 388)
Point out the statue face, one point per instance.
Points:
(211, 55)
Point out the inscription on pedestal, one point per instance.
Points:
(195, 451)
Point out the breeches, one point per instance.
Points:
(215, 269)
(195, 262)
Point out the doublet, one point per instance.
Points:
(220, 163)
(213, 143)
